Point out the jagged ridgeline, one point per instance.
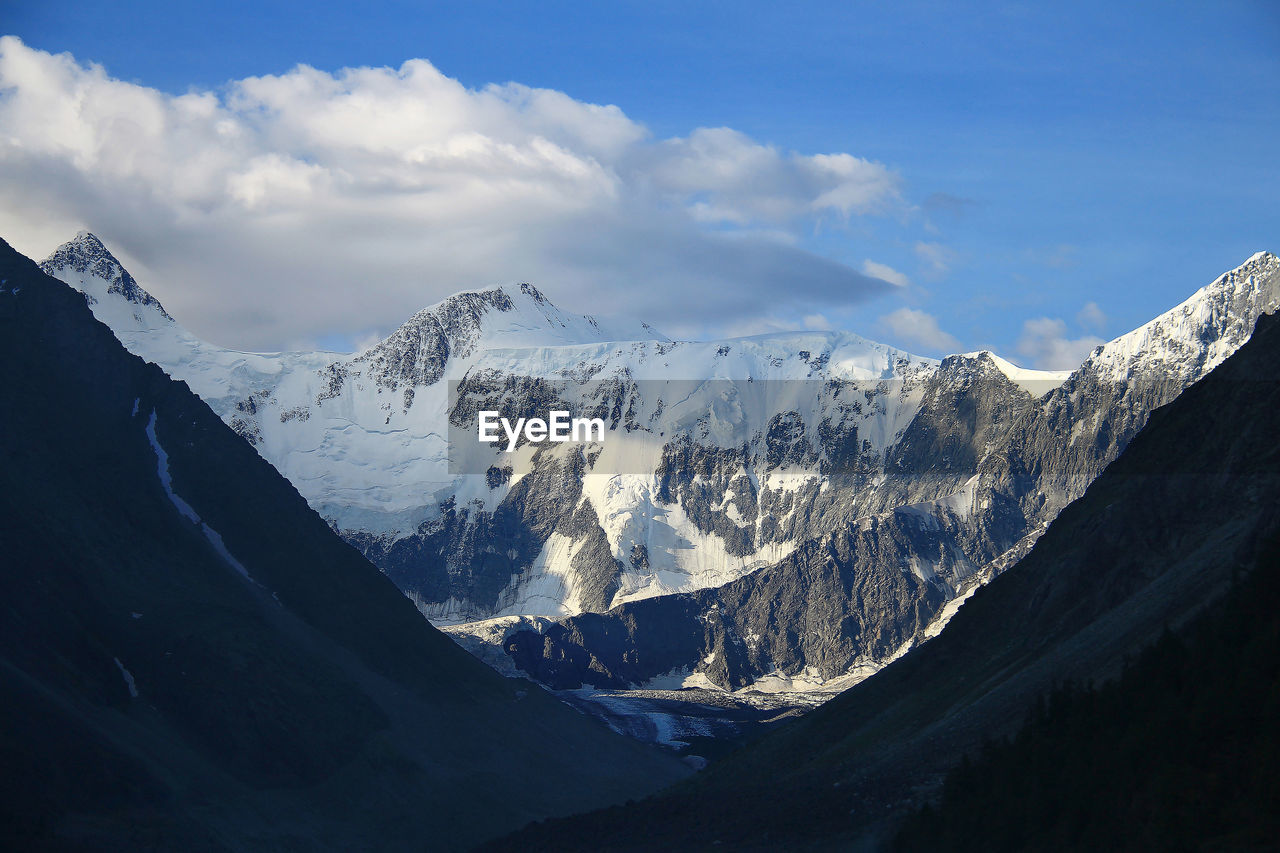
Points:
(191, 659)
(1176, 539)
(814, 521)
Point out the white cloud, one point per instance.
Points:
(737, 180)
(919, 329)
(937, 257)
(1045, 343)
(307, 204)
(884, 272)
(1092, 317)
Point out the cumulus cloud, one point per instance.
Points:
(917, 328)
(1045, 344)
(286, 208)
(884, 272)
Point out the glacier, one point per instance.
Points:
(724, 458)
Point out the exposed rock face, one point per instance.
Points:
(976, 476)
(474, 554)
(733, 473)
(849, 599)
(190, 659)
(1171, 536)
(415, 355)
(826, 607)
(86, 256)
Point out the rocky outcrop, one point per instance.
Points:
(86, 256)
(471, 554)
(980, 471)
(734, 490)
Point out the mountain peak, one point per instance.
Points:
(529, 290)
(85, 263)
(1195, 336)
(513, 316)
(81, 252)
(1262, 264)
(1034, 382)
(88, 238)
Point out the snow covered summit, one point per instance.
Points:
(86, 264)
(700, 481)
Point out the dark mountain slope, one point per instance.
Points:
(1178, 754)
(1190, 504)
(203, 664)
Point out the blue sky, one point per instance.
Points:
(1044, 156)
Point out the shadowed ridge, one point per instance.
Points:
(153, 695)
(1159, 535)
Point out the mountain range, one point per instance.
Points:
(792, 509)
(1133, 648)
(191, 659)
(194, 658)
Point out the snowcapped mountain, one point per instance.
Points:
(365, 461)
(1196, 336)
(220, 376)
(968, 487)
(363, 437)
(1052, 457)
(730, 469)
(190, 655)
(1180, 533)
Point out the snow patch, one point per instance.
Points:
(128, 679)
(166, 480)
(1037, 383)
(950, 609)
